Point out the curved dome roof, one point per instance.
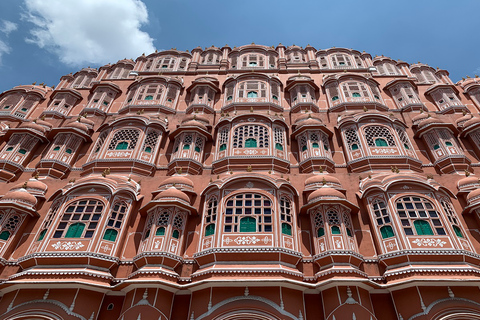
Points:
(172, 192)
(20, 195)
(78, 125)
(473, 194)
(177, 180)
(428, 121)
(460, 121)
(472, 121)
(323, 179)
(194, 123)
(462, 183)
(420, 117)
(34, 126)
(325, 192)
(32, 184)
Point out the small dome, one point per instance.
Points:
(197, 117)
(33, 126)
(20, 195)
(194, 123)
(472, 121)
(473, 194)
(420, 117)
(468, 181)
(325, 192)
(371, 182)
(78, 125)
(177, 180)
(172, 193)
(32, 184)
(322, 179)
(428, 121)
(460, 121)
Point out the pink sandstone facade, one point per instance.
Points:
(242, 183)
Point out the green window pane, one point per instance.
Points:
(275, 97)
(315, 145)
(186, 147)
(22, 151)
(148, 149)
(349, 232)
(75, 230)
(448, 144)
(320, 232)
(4, 235)
(149, 98)
(336, 230)
(406, 146)
(304, 148)
(354, 146)
(334, 98)
(387, 232)
(147, 234)
(122, 146)
(69, 151)
(252, 64)
(229, 98)
(252, 94)
(423, 228)
(210, 229)
(248, 224)
(197, 149)
(42, 235)
(11, 148)
(56, 148)
(223, 147)
(160, 231)
(458, 232)
(250, 143)
(278, 146)
(286, 229)
(380, 142)
(435, 147)
(356, 94)
(176, 234)
(110, 235)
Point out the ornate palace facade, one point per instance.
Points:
(242, 183)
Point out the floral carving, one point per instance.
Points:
(429, 242)
(67, 245)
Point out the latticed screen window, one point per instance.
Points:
(419, 214)
(339, 60)
(382, 217)
(286, 215)
(211, 216)
(9, 225)
(211, 58)
(303, 142)
(333, 92)
(48, 220)
(452, 217)
(379, 136)
(151, 92)
(251, 136)
(10, 101)
(177, 226)
(161, 223)
(100, 141)
(198, 144)
(319, 224)
(333, 221)
(187, 142)
(351, 137)
(278, 134)
(430, 76)
(165, 63)
(151, 141)
(403, 137)
(80, 219)
(355, 90)
(114, 222)
(124, 140)
(253, 60)
(252, 89)
(348, 225)
(223, 139)
(229, 92)
(248, 212)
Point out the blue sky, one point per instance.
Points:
(41, 40)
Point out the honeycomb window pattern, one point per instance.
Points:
(124, 139)
(247, 133)
(87, 212)
(372, 133)
(248, 205)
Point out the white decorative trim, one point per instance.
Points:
(433, 304)
(55, 302)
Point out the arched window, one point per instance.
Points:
(379, 136)
(252, 206)
(333, 221)
(125, 139)
(4, 235)
(452, 217)
(177, 226)
(351, 137)
(382, 218)
(341, 60)
(252, 89)
(80, 219)
(251, 136)
(319, 224)
(412, 209)
(114, 223)
(211, 216)
(286, 215)
(355, 89)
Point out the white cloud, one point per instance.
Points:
(4, 49)
(7, 27)
(89, 31)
